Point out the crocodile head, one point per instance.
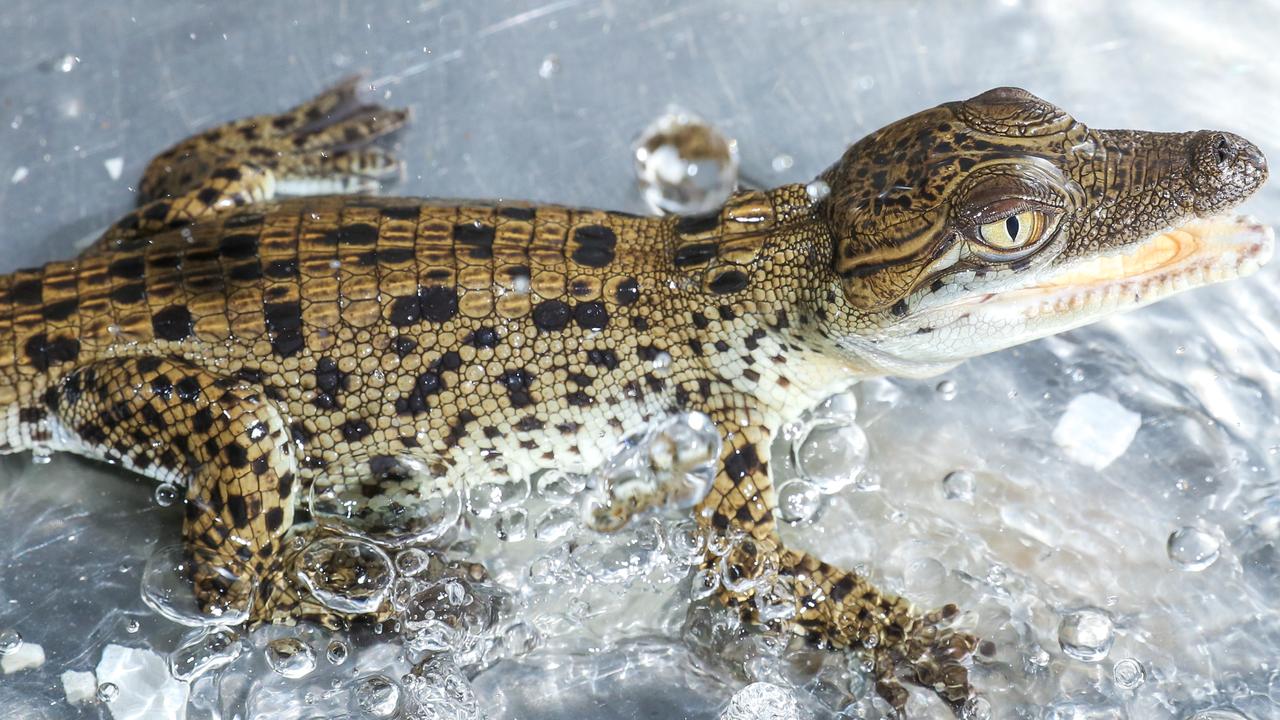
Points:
(982, 224)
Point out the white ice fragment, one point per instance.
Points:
(20, 174)
(761, 701)
(27, 655)
(114, 166)
(80, 687)
(147, 690)
(1095, 430)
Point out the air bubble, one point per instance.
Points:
(559, 487)
(412, 503)
(337, 652)
(486, 498)
(167, 587)
(346, 574)
(107, 692)
(411, 561)
(762, 701)
(684, 164)
(376, 696)
(1193, 549)
(831, 455)
(513, 524)
(10, 641)
(1128, 674)
(290, 657)
(946, 390)
(782, 163)
(555, 524)
(166, 494)
(1086, 634)
(959, 485)
(798, 501)
(205, 650)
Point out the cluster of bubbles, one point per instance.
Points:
(567, 554)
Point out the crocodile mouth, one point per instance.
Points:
(1201, 252)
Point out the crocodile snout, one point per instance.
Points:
(1225, 169)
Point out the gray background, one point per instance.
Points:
(793, 77)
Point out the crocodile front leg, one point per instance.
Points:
(220, 437)
(825, 604)
(320, 146)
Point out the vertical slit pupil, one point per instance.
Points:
(1011, 227)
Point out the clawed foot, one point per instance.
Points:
(933, 656)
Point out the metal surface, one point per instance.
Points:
(537, 101)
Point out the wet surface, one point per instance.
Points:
(543, 101)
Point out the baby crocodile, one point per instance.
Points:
(247, 346)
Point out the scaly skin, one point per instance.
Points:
(249, 347)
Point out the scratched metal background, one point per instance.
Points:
(88, 86)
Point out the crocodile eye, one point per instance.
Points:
(1013, 232)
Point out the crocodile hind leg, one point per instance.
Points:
(823, 603)
(321, 146)
(221, 438)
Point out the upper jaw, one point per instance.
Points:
(1199, 252)
(1067, 294)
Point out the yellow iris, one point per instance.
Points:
(1015, 231)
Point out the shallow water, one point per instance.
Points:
(1036, 546)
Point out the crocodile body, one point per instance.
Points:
(248, 346)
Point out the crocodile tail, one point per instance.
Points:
(39, 342)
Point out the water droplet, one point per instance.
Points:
(347, 574)
(798, 501)
(684, 164)
(205, 650)
(550, 67)
(704, 584)
(132, 626)
(167, 588)
(555, 524)
(959, 485)
(761, 700)
(1086, 634)
(841, 407)
(66, 63)
(290, 657)
(336, 653)
(669, 464)
(1128, 674)
(411, 561)
(831, 455)
(817, 190)
(976, 708)
(413, 503)
(557, 486)
(1220, 714)
(519, 639)
(107, 692)
(166, 494)
(782, 163)
(10, 641)
(486, 498)
(41, 455)
(686, 543)
(513, 524)
(1193, 549)
(376, 696)
(19, 174)
(946, 390)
